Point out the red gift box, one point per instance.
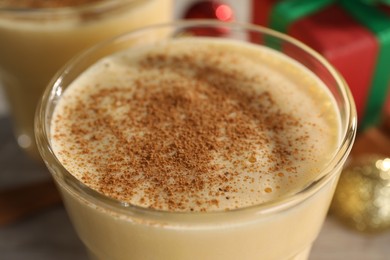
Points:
(353, 36)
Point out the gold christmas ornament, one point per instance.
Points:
(362, 197)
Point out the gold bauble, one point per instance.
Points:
(362, 196)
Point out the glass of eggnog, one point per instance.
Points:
(172, 142)
(37, 37)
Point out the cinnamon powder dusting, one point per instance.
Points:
(45, 3)
(181, 134)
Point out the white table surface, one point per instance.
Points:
(49, 234)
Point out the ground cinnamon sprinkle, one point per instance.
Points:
(45, 3)
(180, 143)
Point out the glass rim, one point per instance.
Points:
(39, 13)
(284, 202)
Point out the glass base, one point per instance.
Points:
(303, 255)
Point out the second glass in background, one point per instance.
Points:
(36, 42)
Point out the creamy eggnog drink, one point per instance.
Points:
(37, 37)
(190, 147)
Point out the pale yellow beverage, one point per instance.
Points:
(37, 37)
(193, 147)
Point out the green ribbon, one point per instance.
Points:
(374, 2)
(286, 12)
(379, 23)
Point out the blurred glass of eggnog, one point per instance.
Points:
(37, 37)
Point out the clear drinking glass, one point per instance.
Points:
(281, 229)
(36, 42)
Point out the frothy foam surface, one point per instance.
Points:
(44, 3)
(195, 125)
